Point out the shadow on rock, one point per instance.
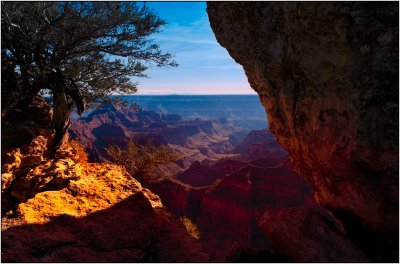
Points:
(130, 231)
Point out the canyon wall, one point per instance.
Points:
(226, 198)
(327, 75)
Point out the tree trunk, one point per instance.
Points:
(61, 118)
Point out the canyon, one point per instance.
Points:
(223, 183)
(227, 197)
(223, 188)
(113, 125)
(319, 185)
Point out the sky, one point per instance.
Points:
(204, 66)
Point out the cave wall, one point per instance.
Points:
(327, 75)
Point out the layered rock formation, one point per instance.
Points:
(193, 140)
(259, 143)
(327, 75)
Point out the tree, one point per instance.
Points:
(79, 52)
(141, 160)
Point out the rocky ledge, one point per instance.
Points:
(68, 210)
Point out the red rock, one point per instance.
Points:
(200, 175)
(130, 231)
(87, 212)
(332, 101)
(260, 143)
(229, 209)
(303, 235)
(180, 198)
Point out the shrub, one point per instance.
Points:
(80, 149)
(141, 160)
(191, 227)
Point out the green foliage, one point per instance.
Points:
(141, 160)
(87, 50)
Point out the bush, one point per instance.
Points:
(80, 149)
(191, 227)
(141, 160)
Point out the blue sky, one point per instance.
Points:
(204, 66)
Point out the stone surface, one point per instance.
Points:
(303, 235)
(25, 137)
(26, 171)
(231, 209)
(245, 254)
(327, 75)
(25, 124)
(54, 174)
(67, 210)
(129, 231)
(101, 214)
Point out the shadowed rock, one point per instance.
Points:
(304, 235)
(130, 231)
(327, 75)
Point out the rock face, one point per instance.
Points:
(19, 129)
(260, 143)
(25, 137)
(231, 209)
(312, 237)
(327, 75)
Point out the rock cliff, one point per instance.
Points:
(327, 75)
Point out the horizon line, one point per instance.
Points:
(180, 94)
